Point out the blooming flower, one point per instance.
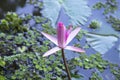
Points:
(63, 39)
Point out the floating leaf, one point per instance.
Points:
(2, 77)
(22, 49)
(101, 43)
(2, 62)
(94, 24)
(77, 11)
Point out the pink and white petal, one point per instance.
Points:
(74, 49)
(72, 35)
(51, 38)
(68, 31)
(61, 34)
(51, 51)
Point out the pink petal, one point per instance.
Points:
(51, 51)
(68, 31)
(74, 49)
(61, 34)
(51, 38)
(72, 35)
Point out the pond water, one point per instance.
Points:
(111, 54)
(106, 29)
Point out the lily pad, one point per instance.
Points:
(77, 11)
(101, 43)
(51, 10)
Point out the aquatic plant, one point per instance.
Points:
(39, 19)
(96, 42)
(77, 15)
(2, 64)
(94, 24)
(97, 64)
(23, 56)
(12, 24)
(63, 38)
(110, 6)
(115, 22)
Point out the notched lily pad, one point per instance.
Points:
(51, 10)
(77, 11)
(101, 43)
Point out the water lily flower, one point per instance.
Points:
(64, 37)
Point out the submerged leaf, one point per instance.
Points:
(101, 43)
(51, 10)
(77, 11)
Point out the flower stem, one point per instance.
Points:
(66, 66)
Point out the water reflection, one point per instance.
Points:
(10, 5)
